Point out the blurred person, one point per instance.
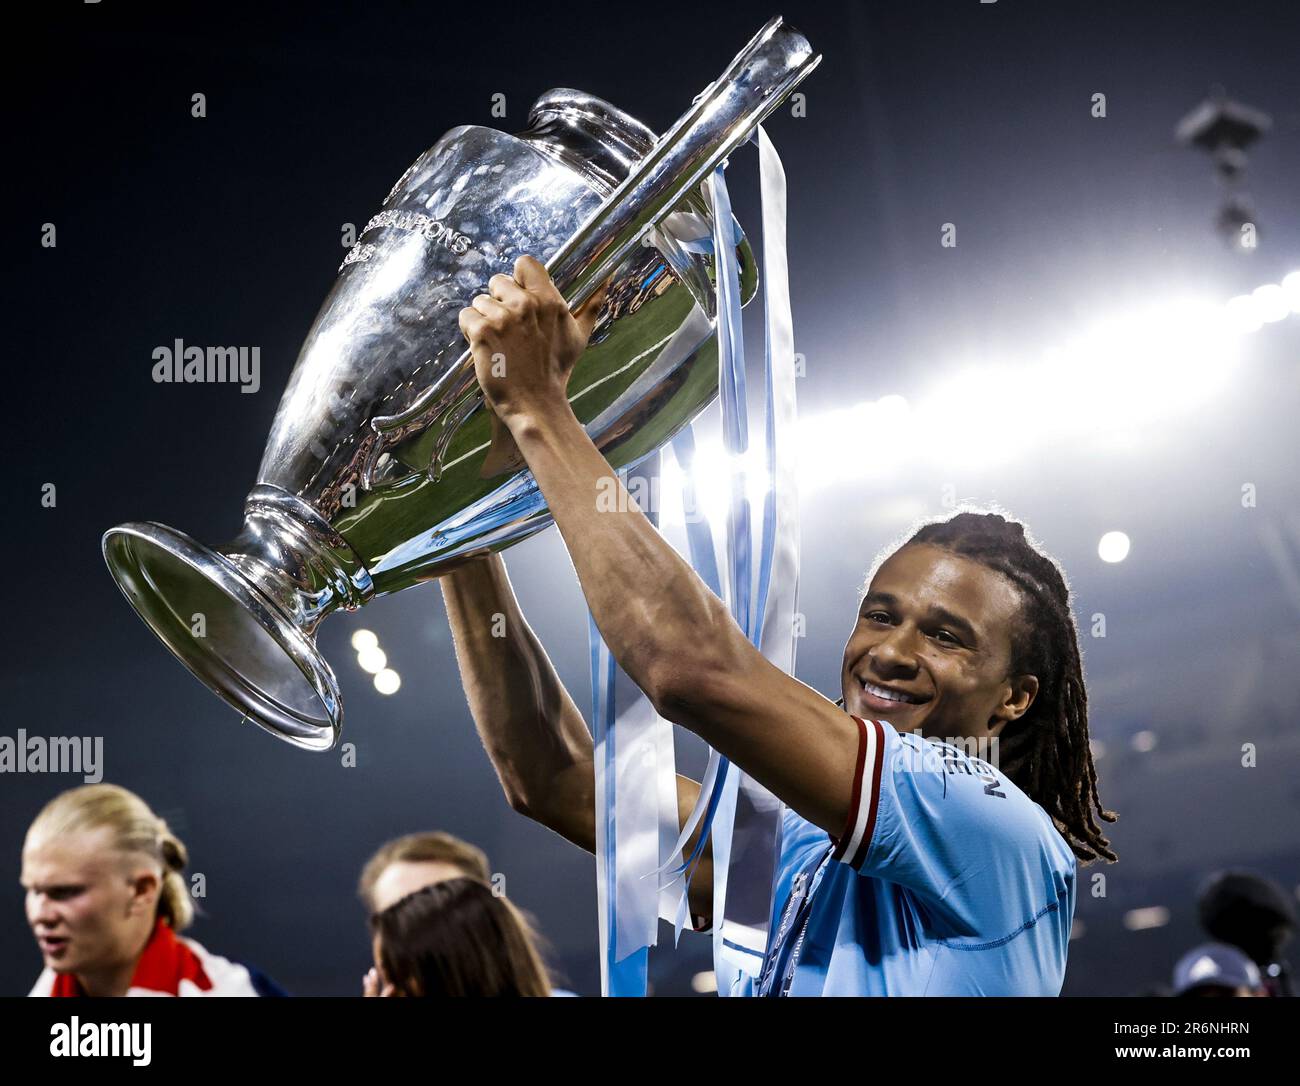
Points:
(410, 863)
(1217, 970)
(106, 900)
(907, 865)
(1254, 914)
(454, 938)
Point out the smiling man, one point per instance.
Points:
(907, 866)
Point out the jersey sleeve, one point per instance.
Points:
(978, 852)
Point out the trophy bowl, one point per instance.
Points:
(383, 467)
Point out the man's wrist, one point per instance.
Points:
(529, 426)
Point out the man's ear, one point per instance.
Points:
(146, 886)
(1018, 696)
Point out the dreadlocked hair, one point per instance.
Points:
(1046, 750)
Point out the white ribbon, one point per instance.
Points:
(756, 838)
(636, 788)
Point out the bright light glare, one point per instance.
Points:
(866, 439)
(1125, 371)
(373, 659)
(982, 415)
(1113, 547)
(711, 472)
(388, 681)
(1291, 289)
(1272, 303)
(1243, 314)
(1144, 741)
(1153, 916)
(670, 492)
(364, 639)
(1106, 385)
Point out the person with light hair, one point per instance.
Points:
(106, 900)
(440, 926)
(410, 863)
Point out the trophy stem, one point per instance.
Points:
(290, 552)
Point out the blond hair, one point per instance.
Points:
(135, 830)
(431, 847)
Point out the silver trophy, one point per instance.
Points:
(383, 467)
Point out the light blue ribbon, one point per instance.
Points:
(633, 749)
(756, 837)
(714, 789)
(628, 976)
(731, 806)
(742, 817)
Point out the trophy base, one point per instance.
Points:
(231, 636)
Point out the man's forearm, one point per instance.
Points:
(533, 733)
(669, 632)
(660, 621)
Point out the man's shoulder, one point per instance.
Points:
(966, 776)
(223, 977)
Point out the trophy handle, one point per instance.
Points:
(760, 77)
(446, 405)
(503, 456)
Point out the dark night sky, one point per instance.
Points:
(227, 230)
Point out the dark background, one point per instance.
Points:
(226, 230)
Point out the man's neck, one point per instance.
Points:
(110, 982)
(115, 979)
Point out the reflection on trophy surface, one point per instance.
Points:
(381, 469)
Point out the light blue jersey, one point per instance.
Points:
(948, 880)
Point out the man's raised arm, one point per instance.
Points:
(671, 635)
(534, 734)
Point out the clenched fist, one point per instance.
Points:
(525, 341)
